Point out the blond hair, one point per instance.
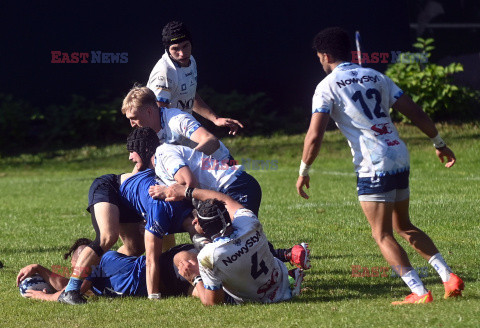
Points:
(137, 98)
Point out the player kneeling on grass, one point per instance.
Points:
(237, 265)
(117, 274)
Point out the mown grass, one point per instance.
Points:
(42, 208)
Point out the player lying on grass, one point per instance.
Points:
(172, 125)
(237, 264)
(115, 199)
(358, 99)
(183, 165)
(118, 274)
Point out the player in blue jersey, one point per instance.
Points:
(174, 77)
(115, 199)
(358, 99)
(117, 274)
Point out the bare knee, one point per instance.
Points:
(108, 239)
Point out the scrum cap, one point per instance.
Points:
(213, 217)
(175, 32)
(144, 141)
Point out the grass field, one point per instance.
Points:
(43, 200)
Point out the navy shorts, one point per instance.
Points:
(174, 283)
(106, 189)
(386, 183)
(247, 191)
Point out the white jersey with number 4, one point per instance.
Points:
(358, 99)
(173, 84)
(243, 265)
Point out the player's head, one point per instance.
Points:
(140, 107)
(75, 250)
(332, 41)
(177, 40)
(213, 218)
(143, 142)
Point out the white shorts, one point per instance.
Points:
(393, 196)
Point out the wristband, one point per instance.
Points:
(189, 193)
(196, 280)
(304, 168)
(438, 142)
(155, 296)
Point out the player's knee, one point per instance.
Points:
(108, 239)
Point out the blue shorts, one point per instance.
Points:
(247, 191)
(106, 189)
(383, 184)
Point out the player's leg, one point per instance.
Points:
(175, 284)
(422, 243)
(105, 220)
(132, 235)
(379, 215)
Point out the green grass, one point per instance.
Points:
(43, 199)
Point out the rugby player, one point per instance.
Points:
(117, 274)
(358, 99)
(237, 265)
(174, 77)
(172, 125)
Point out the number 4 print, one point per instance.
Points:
(370, 93)
(258, 268)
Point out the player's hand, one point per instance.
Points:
(36, 294)
(157, 192)
(175, 193)
(26, 272)
(448, 153)
(188, 269)
(232, 124)
(303, 181)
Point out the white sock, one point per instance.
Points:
(439, 264)
(413, 281)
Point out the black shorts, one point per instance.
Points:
(175, 284)
(106, 189)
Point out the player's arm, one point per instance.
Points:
(176, 192)
(153, 250)
(184, 176)
(201, 108)
(311, 148)
(207, 142)
(414, 112)
(56, 281)
(209, 297)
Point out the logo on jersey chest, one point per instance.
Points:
(249, 243)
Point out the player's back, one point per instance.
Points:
(244, 265)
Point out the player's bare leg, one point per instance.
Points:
(132, 236)
(379, 215)
(418, 239)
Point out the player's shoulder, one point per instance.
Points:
(206, 256)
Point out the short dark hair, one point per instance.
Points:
(333, 41)
(79, 242)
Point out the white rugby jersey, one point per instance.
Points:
(178, 127)
(173, 84)
(243, 265)
(358, 99)
(209, 172)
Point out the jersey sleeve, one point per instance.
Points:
(168, 161)
(322, 99)
(394, 92)
(205, 258)
(182, 123)
(162, 82)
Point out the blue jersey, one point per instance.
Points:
(162, 217)
(119, 275)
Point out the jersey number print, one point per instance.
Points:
(257, 268)
(370, 93)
